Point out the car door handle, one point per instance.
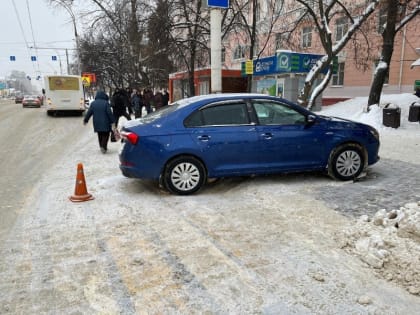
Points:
(267, 135)
(204, 138)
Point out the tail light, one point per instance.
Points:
(130, 137)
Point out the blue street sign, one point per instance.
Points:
(218, 3)
(54, 58)
(12, 58)
(33, 58)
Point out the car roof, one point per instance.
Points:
(226, 96)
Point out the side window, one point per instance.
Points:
(219, 115)
(194, 120)
(270, 113)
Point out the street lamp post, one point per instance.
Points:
(73, 18)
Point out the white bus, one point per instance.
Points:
(64, 93)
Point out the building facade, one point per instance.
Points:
(356, 62)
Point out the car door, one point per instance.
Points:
(225, 139)
(287, 142)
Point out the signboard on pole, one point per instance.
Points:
(285, 62)
(90, 76)
(86, 81)
(224, 4)
(249, 67)
(292, 62)
(263, 66)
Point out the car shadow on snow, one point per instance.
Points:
(389, 185)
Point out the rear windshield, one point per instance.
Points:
(149, 118)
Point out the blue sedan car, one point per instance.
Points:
(223, 135)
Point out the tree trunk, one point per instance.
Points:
(388, 36)
(252, 46)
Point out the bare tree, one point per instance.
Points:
(120, 23)
(160, 62)
(398, 14)
(320, 14)
(258, 26)
(190, 35)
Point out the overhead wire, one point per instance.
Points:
(23, 32)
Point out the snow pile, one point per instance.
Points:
(389, 243)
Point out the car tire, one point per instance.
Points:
(346, 162)
(184, 175)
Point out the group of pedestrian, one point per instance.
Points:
(148, 100)
(124, 102)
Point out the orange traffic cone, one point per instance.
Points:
(80, 191)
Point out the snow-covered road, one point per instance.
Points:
(269, 245)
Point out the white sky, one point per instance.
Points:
(51, 28)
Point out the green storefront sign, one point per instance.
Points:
(416, 84)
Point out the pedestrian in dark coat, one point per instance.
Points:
(119, 105)
(165, 98)
(103, 119)
(147, 100)
(158, 100)
(137, 104)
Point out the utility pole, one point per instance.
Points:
(73, 19)
(216, 49)
(67, 59)
(216, 42)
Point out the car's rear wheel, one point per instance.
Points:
(184, 175)
(346, 162)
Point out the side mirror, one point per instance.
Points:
(310, 119)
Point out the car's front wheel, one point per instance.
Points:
(184, 175)
(346, 162)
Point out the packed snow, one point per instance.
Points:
(389, 242)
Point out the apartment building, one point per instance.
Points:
(356, 62)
